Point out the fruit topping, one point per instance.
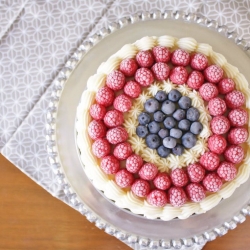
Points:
(123, 178)
(210, 161)
(128, 66)
(148, 171)
(109, 164)
(217, 144)
(234, 154)
(140, 188)
(122, 151)
(213, 73)
(132, 89)
(220, 125)
(115, 80)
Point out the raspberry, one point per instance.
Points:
(177, 196)
(234, 99)
(97, 111)
(113, 118)
(237, 135)
(198, 61)
(101, 148)
(180, 57)
(238, 117)
(122, 103)
(115, 80)
(212, 182)
(144, 77)
(157, 198)
(134, 163)
(160, 71)
(210, 161)
(140, 188)
(208, 91)
(109, 164)
(148, 171)
(145, 58)
(117, 135)
(195, 192)
(220, 125)
(234, 154)
(128, 66)
(123, 178)
(213, 73)
(96, 129)
(225, 86)
(179, 75)
(162, 181)
(217, 144)
(227, 171)
(217, 106)
(132, 89)
(179, 177)
(195, 80)
(122, 151)
(161, 54)
(105, 96)
(195, 172)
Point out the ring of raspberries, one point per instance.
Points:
(224, 103)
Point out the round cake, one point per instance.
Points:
(162, 128)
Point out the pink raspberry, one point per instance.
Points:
(217, 144)
(97, 111)
(195, 80)
(195, 192)
(140, 188)
(144, 77)
(162, 181)
(96, 129)
(145, 58)
(220, 125)
(161, 54)
(157, 198)
(134, 163)
(117, 135)
(160, 71)
(128, 66)
(179, 177)
(105, 96)
(237, 135)
(199, 61)
(122, 151)
(213, 73)
(227, 171)
(123, 178)
(115, 80)
(208, 91)
(217, 106)
(195, 172)
(212, 182)
(148, 171)
(210, 161)
(180, 57)
(226, 85)
(122, 103)
(113, 118)
(177, 196)
(178, 75)
(101, 148)
(109, 164)
(234, 154)
(235, 99)
(132, 89)
(238, 117)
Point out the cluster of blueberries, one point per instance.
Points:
(169, 123)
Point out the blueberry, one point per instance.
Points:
(151, 105)
(168, 107)
(178, 149)
(175, 133)
(159, 116)
(169, 122)
(153, 141)
(193, 114)
(161, 96)
(163, 152)
(142, 131)
(169, 142)
(144, 118)
(174, 95)
(179, 114)
(196, 128)
(154, 127)
(184, 102)
(163, 133)
(184, 125)
(188, 140)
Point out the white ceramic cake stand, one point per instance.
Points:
(137, 231)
